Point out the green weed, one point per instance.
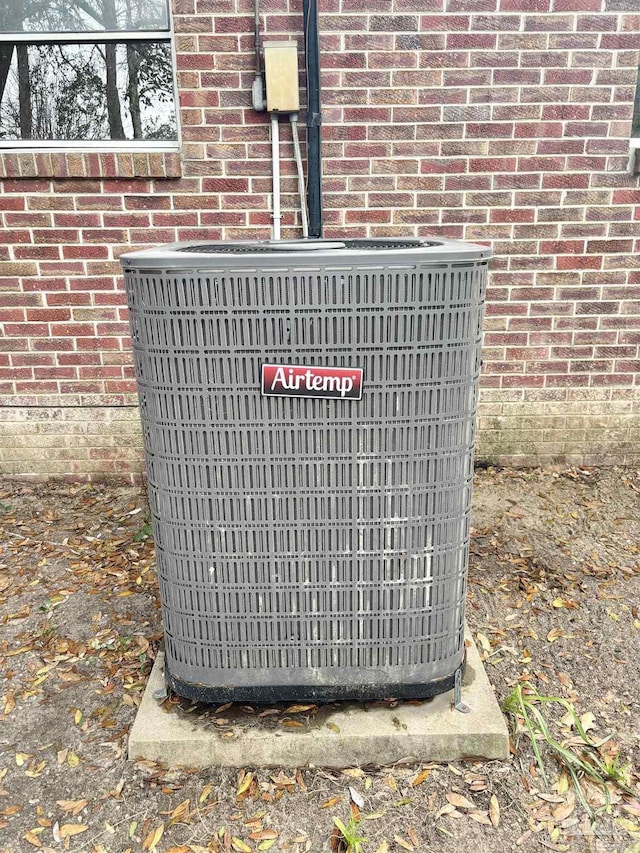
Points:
(583, 760)
(145, 532)
(350, 835)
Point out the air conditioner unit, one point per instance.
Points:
(308, 413)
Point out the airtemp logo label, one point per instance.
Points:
(298, 380)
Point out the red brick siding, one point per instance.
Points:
(501, 121)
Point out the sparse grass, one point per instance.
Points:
(523, 705)
(349, 836)
(145, 532)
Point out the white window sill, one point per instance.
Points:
(125, 146)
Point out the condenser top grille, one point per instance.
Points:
(307, 246)
(224, 254)
(389, 244)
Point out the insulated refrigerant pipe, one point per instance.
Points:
(314, 118)
(256, 24)
(299, 169)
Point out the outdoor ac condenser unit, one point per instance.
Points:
(308, 415)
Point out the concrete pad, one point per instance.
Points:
(354, 734)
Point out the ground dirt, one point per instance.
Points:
(554, 587)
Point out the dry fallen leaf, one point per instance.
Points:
(401, 842)
(459, 801)
(239, 845)
(632, 807)
(356, 797)
(484, 641)
(476, 782)
(550, 798)
(562, 811)
(588, 721)
(73, 760)
(180, 813)
(153, 838)
(354, 772)
(332, 802)
(69, 829)
(245, 784)
(447, 809)
(480, 817)
(555, 634)
(632, 828)
(494, 811)
(264, 835)
(206, 791)
(300, 780)
(73, 806)
(420, 778)
(9, 703)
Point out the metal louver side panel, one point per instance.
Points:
(310, 541)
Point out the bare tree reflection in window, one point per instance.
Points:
(59, 16)
(12, 16)
(86, 91)
(24, 91)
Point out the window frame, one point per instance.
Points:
(17, 146)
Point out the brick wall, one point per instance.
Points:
(502, 121)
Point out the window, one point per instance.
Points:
(86, 71)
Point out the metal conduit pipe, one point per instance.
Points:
(275, 157)
(257, 90)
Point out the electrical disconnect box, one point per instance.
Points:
(281, 73)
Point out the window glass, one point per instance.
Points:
(59, 16)
(88, 92)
